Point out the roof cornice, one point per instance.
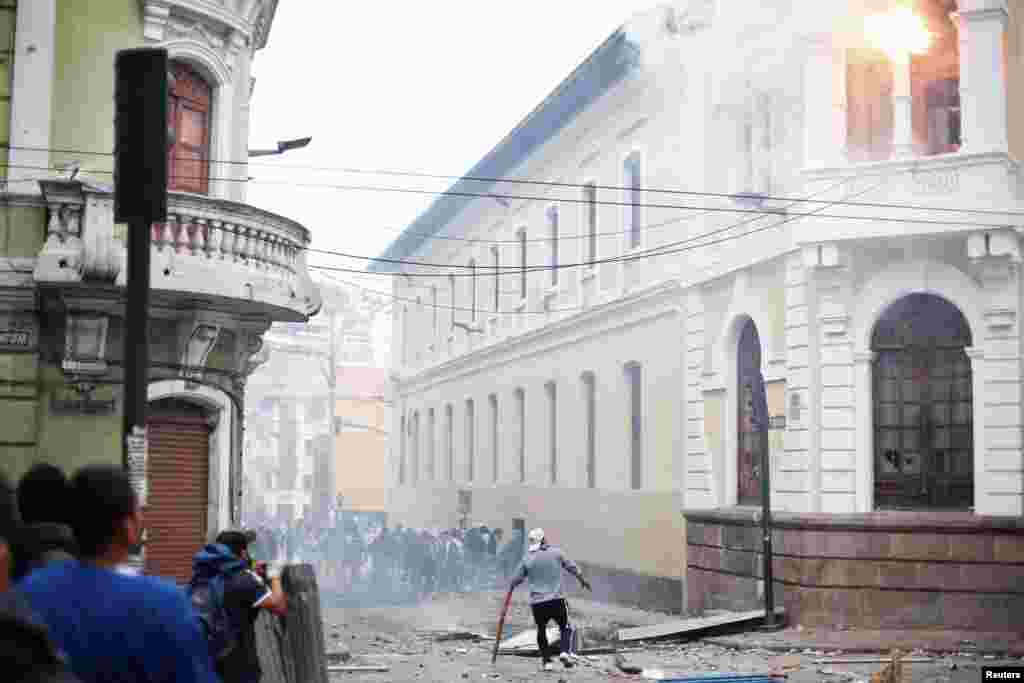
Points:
(614, 60)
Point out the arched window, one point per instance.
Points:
(449, 440)
(431, 442)
(188, 111)
(590, 426)
(635, 387)
(521, 428)
(753, 421)
(414, 432)
(552, 394)
(495, 434)
(470, 438)
(402, 438)
(924, 439)
(633, 177)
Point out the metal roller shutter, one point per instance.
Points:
(176, 515)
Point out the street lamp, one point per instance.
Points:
(282, 147)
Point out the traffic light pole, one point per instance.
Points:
(136, 343)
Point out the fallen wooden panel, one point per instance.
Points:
(528, 639)
(685, 626)
(877, 660)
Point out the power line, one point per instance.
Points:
(451, 193)
(547, 183)
(394, 297)
(515, 270)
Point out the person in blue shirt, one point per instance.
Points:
(113, 627)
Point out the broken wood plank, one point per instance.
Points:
(582, 653)
(688, 626)
(528, 639)
(358, 669)
(877, 660)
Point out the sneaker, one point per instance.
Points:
(566, 660)
(548, 666)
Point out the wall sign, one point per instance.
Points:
(17, 332)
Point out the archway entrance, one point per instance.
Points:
(923, 417)
(752, 430)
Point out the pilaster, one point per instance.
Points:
(982, 26)
(32, 95)
(832, 272)
(998, 411)
(796, 470)
(700, 476)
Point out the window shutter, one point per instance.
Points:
(869, 90)
(189, 110)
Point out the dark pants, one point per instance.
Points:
(543, 612)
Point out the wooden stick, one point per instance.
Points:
(357, 669)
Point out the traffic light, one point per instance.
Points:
(140, 135)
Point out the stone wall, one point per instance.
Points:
(874, 571)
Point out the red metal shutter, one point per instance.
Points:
(176, 514)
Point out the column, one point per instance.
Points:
(902, 123)
(982, 25)
(31, 98)
(863, 365)
(824, 101)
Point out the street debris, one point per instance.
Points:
(358, 669)
(625, 667)
(693, 626)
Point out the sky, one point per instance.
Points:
(411, 86)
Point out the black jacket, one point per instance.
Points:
(27, 655)
(41, 543)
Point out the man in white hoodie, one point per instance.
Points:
(542, 567)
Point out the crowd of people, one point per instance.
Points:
(369, 563)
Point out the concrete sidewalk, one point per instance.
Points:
(864, 641)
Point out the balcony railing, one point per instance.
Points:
(207, 246)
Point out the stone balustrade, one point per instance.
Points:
(206, 246)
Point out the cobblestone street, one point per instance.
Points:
(417, 644)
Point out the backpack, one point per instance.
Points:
(211, 568)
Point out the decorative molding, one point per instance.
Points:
(1000, 318)
(62, 256)
(834, 325)
(690, 16)
(864, 357)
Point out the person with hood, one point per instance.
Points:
(46, 532)
(26, 651)
(245, 593)
(542, 567)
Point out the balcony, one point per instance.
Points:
(959, 181)
(212, 250)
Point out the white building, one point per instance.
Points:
(876, 319)
(290, 443)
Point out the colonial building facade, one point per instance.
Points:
(222, 270)
(806, 245)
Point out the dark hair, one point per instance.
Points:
(101, 496)
(9, 519)
(236, 541)
(42, 495)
